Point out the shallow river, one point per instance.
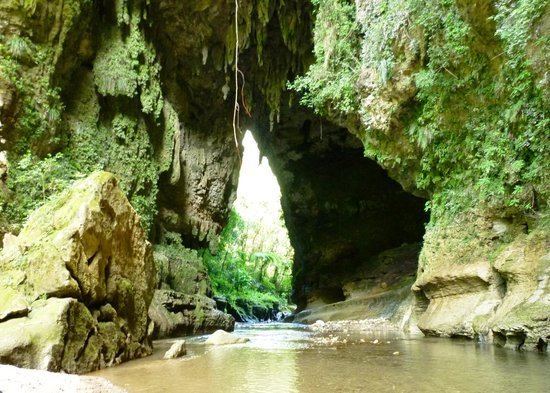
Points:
(289, 358)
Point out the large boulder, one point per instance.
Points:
(181, 269)
(75, 285)
(177, 314)
(182, 303)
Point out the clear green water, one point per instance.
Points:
(286, 358)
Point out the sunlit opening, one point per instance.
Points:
(259, 204)
(252, 269)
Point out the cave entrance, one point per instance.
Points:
(254, 261)
(355, 231)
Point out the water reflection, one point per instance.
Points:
(282, 358)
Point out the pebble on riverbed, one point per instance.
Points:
(354, 326)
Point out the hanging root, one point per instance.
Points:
(242, 96)
(236, 105)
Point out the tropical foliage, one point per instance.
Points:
(474, 130)
(247, 278)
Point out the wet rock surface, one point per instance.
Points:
(178, 349)
(77, 282)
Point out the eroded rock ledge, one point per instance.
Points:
(486, 278)
(77, 282)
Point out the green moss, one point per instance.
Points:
(473, 132)
(40, 104)
(117, 138)
(114, 71)
(126, 66)
(33, 181)
(330, 83)
(171, 127)
(526, 313)
(181, 269)
(47, 151)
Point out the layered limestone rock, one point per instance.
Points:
(77, 282)
(380, 287)
(176, 314)
(488, 278)
(182, 303)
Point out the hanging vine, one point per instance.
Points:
(236, 102)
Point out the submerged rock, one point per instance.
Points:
(77, 282)
(220, 337)
(175, 314)
(178, 349)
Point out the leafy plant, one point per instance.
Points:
(247, 279)
(474, 132)
(33, 181)
(330, 83)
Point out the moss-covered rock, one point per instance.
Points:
(182, 304)
(176, 314)
(182, 270)
(83, 269)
